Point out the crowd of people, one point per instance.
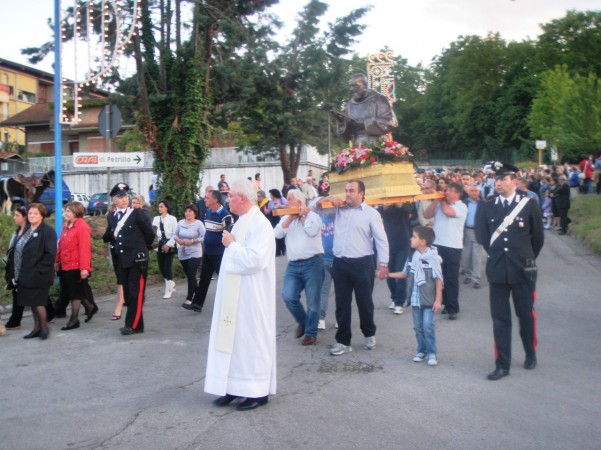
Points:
(421, 249)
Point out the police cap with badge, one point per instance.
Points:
(503, 169)
(119, 190)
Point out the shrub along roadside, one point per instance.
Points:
(102, 280)
(585, 213)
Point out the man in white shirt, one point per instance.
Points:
(449, 218)
(305, 265)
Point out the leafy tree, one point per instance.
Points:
(567, 112)
(278, 101)
(573, 40)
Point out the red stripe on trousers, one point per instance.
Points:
(140, 297)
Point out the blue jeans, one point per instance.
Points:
(307, 275)
(425, 333)
(325, 288)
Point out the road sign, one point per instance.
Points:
(109, 121)
(114, 159)
(541, 145)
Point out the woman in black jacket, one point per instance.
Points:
(34, 268)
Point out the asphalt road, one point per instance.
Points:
(93, 388)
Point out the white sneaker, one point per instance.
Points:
(432, 361)
(340, 349)
(370, 343)
(398, 310)
(172, 283)
(391, 306)
(321, 325)
(419, 357)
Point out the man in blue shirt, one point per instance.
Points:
(216, 219)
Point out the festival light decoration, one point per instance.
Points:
(118, 23)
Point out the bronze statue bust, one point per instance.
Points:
(368, 115)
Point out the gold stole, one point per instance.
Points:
(226, 327)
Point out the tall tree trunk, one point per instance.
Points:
(149, 129)
(289, 160)
(178, 20)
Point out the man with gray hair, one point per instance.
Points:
(309, 190)
(472, 250)
(305, 265)
(241, 361)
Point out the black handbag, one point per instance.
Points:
(164, 240)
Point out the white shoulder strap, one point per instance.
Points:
(122, 222)
(508, 219)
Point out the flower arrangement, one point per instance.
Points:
(385, 151)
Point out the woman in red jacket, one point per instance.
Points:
(74, 259)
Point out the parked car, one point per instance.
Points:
(81, 198)
(47, 197)
(98, 204)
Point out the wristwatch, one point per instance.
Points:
(383, 265)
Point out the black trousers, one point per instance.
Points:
(190, 267)
(398, 287)
(451, 260)
(210, 265)
(280, 247)
(500, 310)
(133, 292)
(165, 261)
(564, 220)
(354, 275)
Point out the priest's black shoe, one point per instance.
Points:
(126, 331)
(530, 363)
(225, 400)
(497, 374)
(71, 327)
(252, 403)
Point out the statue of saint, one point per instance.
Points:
(368, 115)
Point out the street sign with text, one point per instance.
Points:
(112, 159)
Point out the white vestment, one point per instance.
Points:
(250, 370)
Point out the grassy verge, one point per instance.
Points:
(103, 277)
(586, 220)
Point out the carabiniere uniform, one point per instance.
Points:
(130, 236)
(511, 269)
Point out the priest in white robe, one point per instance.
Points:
(241, 361)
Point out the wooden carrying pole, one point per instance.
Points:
(371, 202)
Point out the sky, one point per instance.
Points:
(418, 30)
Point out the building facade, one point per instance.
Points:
(20, 88)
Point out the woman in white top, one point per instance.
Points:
(165, 225)
(189, 235)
